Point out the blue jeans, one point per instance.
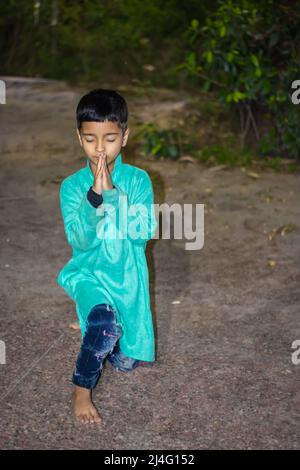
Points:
(100, 341)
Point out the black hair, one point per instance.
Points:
(102, 105)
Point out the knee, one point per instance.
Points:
(101, 314)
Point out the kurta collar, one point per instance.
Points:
(117, 167)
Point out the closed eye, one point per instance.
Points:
(92, 140)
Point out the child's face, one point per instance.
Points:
(95, 137)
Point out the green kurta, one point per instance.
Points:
(108, 243)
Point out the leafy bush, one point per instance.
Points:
(249, 52)
(166, 143)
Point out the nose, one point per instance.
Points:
(99, 146)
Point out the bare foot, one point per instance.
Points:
(83, 408)
(75, 325)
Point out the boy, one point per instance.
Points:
(108, 214)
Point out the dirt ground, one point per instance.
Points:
(225, 316)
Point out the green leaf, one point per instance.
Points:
(209, 57)
(238, 96)
(230, 57)
(258, 72)
(157, 148)
(229, 98)
(195, 24)
(223, 31)
(254, 60)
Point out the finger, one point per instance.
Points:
(106, 164)
(99, 169)
(98, 165)
(103, 165)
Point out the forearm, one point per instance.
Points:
(81, 224)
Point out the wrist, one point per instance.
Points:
(96, 190)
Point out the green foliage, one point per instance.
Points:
(231, 156)
(88, 40)
(248, 52)
(165, 143)
(224, 155)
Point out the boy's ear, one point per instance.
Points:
(125, 137)
(79, 137)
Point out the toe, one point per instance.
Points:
(96, 417)
(84, 419)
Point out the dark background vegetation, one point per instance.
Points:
(240, 58)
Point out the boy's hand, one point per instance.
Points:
(97, 185)
(106, 178)
(102, 178)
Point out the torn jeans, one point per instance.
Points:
(100, 342)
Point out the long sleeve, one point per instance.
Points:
(136, 219)
(94, 198)
(80, 218)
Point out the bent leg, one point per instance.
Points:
(101, 335)
(120, 361)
